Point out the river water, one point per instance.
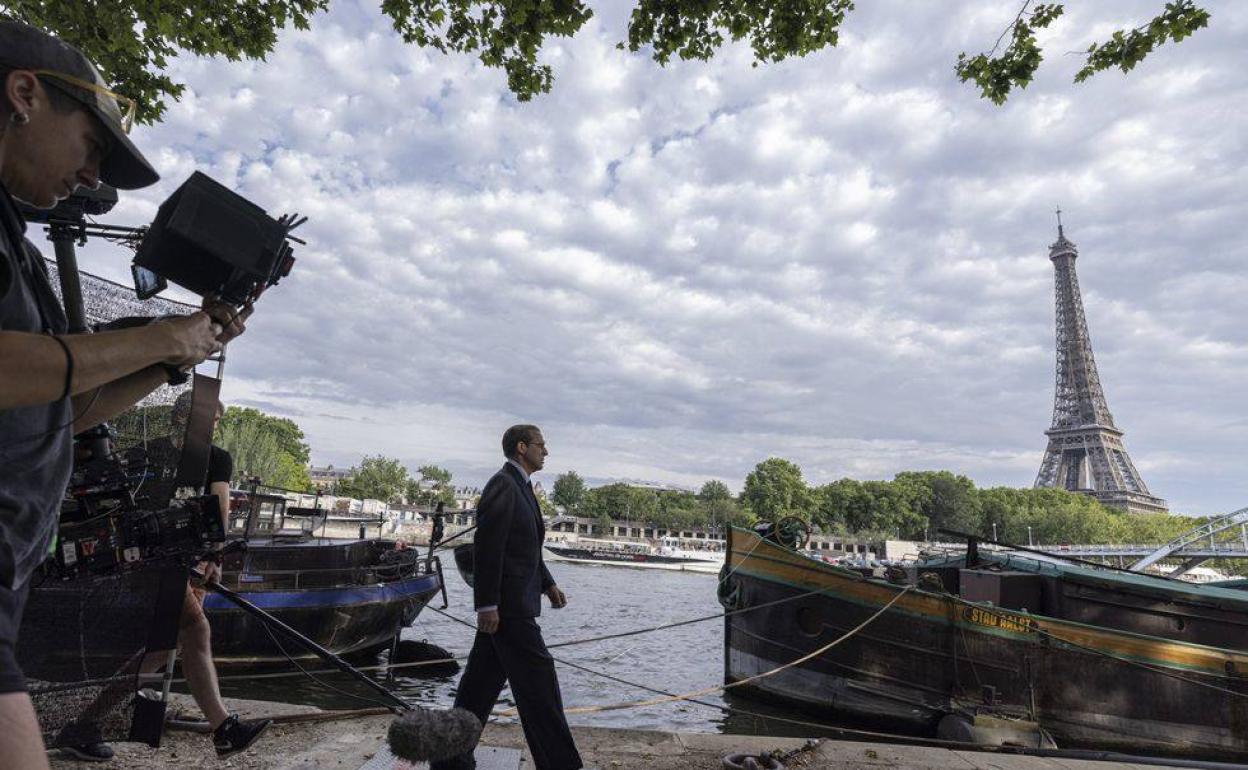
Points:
(601, 600)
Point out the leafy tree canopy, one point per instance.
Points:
(432, 486)
(271, 448)
(997, 74)
(775, 488)
(131, 41)
(546, 504)
(621, 501)
(568, 491)
(714, 490)
(377, 478)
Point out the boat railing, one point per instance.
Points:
(329, 577)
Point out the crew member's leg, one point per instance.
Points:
(229, 733)
(534, 684)
(478, 691)
(195, 644)
(21, 743)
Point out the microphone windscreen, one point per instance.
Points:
(425, 735)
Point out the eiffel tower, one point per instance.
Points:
(1085, 452)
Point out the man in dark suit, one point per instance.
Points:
(510, 578)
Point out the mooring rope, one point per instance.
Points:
(739, 682)
(556, 645)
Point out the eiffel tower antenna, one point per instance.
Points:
(1085, 451)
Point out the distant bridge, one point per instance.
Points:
(1220, 537)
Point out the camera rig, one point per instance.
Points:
(133, 523)
(104, 528)
(211, 241)
(206, 238)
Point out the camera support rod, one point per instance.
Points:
(64, 233)
(398, 705)
(63, 237)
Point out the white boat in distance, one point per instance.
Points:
(668, 553)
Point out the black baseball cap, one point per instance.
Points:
(63, 67)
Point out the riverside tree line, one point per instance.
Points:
(273, 450)
(913, 505)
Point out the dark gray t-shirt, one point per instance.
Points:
(36, 442)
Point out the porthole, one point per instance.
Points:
(810, 620)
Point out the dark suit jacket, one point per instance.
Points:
(507, 552)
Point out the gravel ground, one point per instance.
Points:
(347, 744)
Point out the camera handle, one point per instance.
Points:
(398, 705)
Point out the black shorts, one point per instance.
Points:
(11, 605)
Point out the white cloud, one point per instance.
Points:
(680, 271)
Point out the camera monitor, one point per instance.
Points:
(210, 240)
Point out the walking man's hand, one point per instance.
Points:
(487, 621)
(557, 598)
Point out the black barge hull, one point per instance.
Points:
(932, 654)
(350, 597)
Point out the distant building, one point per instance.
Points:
(327, 477)
(466, 497)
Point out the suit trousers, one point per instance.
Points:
(516, 653)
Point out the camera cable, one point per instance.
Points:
(317, 679)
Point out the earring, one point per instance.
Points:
(19, 118)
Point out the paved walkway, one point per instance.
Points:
(359, 744)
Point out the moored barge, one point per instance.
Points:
(349, 596)
(935, 654)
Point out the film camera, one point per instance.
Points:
(206, 238)
(211, 240)
(104, 528)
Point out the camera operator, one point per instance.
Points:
(61, 128)
(229, 733)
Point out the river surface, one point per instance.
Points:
(601, 600)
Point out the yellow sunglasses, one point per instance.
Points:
(127, 116)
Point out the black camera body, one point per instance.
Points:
(212, 241)
(84, 203)
(104, 530)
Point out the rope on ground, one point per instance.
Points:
(378, 667)
(203, 726)
(723, 687)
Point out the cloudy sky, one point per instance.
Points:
(678, 272)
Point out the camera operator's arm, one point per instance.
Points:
(114, 398)
(108, 401)
(222, 490)
(220, 470)
(34, 367)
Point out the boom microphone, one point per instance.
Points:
(425, 735)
